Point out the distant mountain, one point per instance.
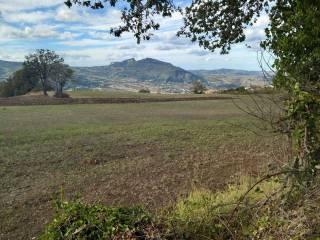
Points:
(156, 75)
(232, 78)
(134, 75)
(7, 68)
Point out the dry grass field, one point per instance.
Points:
(120, 154)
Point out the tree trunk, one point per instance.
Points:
(44, 89)
(61, 89)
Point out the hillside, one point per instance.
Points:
(158, 76)
(232, 78)
(134, 75)
(7, 68)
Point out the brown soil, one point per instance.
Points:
(43, 100)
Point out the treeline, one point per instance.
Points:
(43, 70)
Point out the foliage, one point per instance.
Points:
(136, 15)
(42, 63)
(144, 90)
(60, 74)
(204, 214)
(264, 213)
(219, 24)
(20, 83)
(303, 121)
(198, 87)
(76, 220)
(239, 90)
(294, 38)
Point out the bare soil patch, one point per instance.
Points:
(46, 100)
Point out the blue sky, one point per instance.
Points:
(82, 37)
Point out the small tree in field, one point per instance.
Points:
(198, 87)
(60, 74)
(42, 63)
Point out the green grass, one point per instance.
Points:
(119, 154)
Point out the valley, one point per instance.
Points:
(155, 75)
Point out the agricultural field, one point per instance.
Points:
(98, 97)
(149, 154)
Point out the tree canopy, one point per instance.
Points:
(59, 76)
(42, 63)
(43, 69)
(21, 82)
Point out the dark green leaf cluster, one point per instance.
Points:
(219, 24)
(21, 82)
(77, 220)
(49, 68)
(294, 38)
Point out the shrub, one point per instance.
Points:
(144, 90)
(239, 90)
(207, 215)
(198, 87)
(93, 222)
(61, 95)
(20, 83)
(267, 212)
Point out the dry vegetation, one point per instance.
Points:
(101, 97)
(121, 154)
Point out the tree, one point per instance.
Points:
(198, 87)
(20, 83)
(59, 76)
(41, 63)
(292, 37)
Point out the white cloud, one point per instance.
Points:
(68, 35)
(26, 17)
(65, 14)
(256, 32)
(82, 36)
(84, 43)
(254, 35)
(16, 5)
(198, 52)
(262, 21)
(39, 31)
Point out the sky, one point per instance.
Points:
(81, 35)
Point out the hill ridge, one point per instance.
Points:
(159, 76)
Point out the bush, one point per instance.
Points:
(20, 83)
(207, 215)
(239, 90)
(269, 211)
(93, 222)
(61, 95)
(144, 90)
(198, 87)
